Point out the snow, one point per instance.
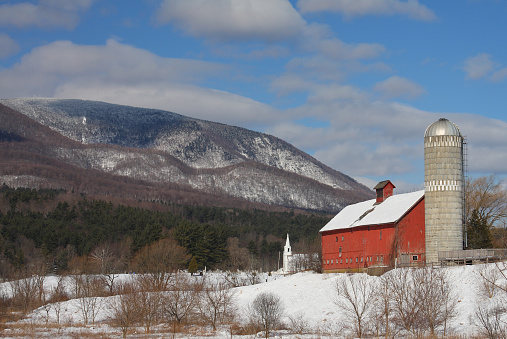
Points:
(196, 143)
(309, 296)
(369, 213)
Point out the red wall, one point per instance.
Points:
(375, 244)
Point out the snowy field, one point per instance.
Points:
(307, 296)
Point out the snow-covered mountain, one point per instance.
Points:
(163, 147)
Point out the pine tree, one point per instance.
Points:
(478, 232)
(192, 266)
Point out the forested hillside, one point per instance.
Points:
(99, 148)
(68, 230)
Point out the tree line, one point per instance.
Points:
(33, 225)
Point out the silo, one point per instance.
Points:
(444, 183)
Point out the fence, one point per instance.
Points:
(471, 256)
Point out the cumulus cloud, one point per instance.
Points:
(8, 46)
(350, 8)
(398, 87)
(231, 20)
(499, 75)
(335, 92)
(46, 67)
(124, 74)
(479, 66)
(190, 100)
(44, 14)
(337, 49)
(379, 139)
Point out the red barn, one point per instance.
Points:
(376, 232)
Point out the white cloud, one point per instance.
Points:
(479, 66)
(385, 140)
(350, 8)
(45, 68)
(8, 46)
(193, 101)
(233, 20)
(334, 92)
(45, 14)
(499, 75)
(290, 83)
(337, 49)
(395, 87)
(123, 74)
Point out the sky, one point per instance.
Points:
(354, 83)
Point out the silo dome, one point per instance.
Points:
(442, 127)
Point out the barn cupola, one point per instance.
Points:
(384, 190)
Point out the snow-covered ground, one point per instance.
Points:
(307, 296)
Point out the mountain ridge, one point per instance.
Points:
(164, 147)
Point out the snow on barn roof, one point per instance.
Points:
(368, 213)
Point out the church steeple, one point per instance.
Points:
(287, 256)
(287, 248)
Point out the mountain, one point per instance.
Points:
(96, 146)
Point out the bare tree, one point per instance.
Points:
(149, 303)
(383, 326)
(239, 257)
(499, 280)
(434, 293)
(405, 309)
(59, 295)
(180, 301)
(88, 289)
(420, 300)
(489, 282)
(299, 323)
(268, 310)
(28, 291)
(216, 303)
(356, 298)
(488, 319)
(124, 308)
(107, 263)
(159, 261)
(487, 196)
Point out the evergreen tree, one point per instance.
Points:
(478, 233)
(192, 266)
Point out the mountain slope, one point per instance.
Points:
(160, 147)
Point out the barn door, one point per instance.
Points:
(405, 259)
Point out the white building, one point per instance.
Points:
(297, 262)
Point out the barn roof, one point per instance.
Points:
(369, 213)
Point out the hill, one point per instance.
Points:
(100, 148)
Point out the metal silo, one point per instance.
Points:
(444, 187)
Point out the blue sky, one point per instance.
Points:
(355, 83)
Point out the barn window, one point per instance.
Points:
(415, 257)
(361, 259)
(340, 250)
(342, 238)
(331, 261)
(341, 261)
(346, 260)
(357, 259)
(328, 261)
(336, 239)
(380, 234)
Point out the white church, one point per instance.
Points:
(297, 262)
